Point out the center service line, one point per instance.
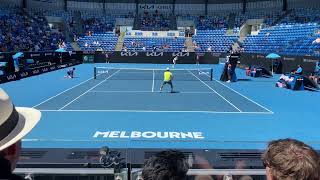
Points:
(215, 92)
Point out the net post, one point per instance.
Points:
(211, 74)
(94, 73)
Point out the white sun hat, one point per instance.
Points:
(15, 122)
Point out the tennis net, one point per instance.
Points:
(103, 73)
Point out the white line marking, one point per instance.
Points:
(200, 92)
(152, 80)
(244, 96)
(145, 69)
(154, 111)
(216, 92)
(89, 90)
(62, 92)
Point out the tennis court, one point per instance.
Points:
(137, 90)
(125, 100)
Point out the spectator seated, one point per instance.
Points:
(104, 42)
(98, 24)
(211, 22)
(258, 71)
(218, 21)
(290, 39)
(213, 41)
(269, 17)
(154, 22)
(159, 44)
(21, 32)
(296, 82)
(302, 16)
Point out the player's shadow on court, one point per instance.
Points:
(244, 80)
(170, 92)
(173, 92)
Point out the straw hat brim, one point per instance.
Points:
(28, 118)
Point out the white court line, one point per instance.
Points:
(89, 90)
(154, 111)
(216, 92)
(62, 92)
(152, 80)
(244, 96)
(200, 92)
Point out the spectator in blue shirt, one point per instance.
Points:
(299, 70)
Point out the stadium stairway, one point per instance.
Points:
(120, 41)
(75, 46)
(190, 47)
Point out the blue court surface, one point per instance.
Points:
(127, 112)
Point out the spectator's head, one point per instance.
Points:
(289, 159)
(15, 123)
(166, 165)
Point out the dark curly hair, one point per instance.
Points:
(166, 165)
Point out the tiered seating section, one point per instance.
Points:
(302, 16)
(20, 31)
(292, 39)
(207, 22)
(154, 22)
(269, 17)
(103, 42)
(97, 22)
(213, 41)
(158, 44)
(309, 46)
(296, 34)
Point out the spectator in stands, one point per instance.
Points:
(154, 48)
(284, 81)
(241, 164)
(316, 74)
(317, 68)
(22, 32)
(124, 48)
(299, 70)
(166, 165)
(15, 123)
(290, 159)
(315, 78)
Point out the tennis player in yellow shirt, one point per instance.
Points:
(167, 79)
